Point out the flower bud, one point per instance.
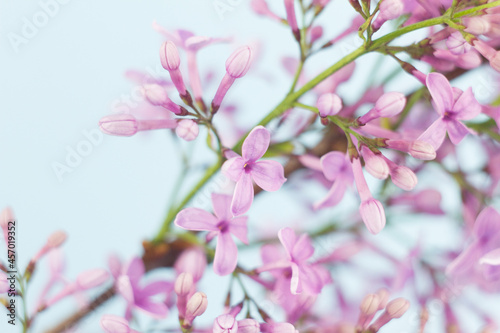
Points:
(248, 325)
(238, 63)
(91, 278)
(403, 177)
(155, 94)
(389, 10)
(373, 215)
(397, 307)
(375, 164)
(390, 104)
(183, 284)
(370, 304)
(187, 129)
(56, 239)
(476, 25)
(422, 150)
(192, 260)
(225, 324)
(196, 305)
(114, 324)
(119, 124)
(169, 56)
(329, 104)
(315, 33)
(260, 7)
(291, 18)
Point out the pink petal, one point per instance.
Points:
(271, 253)
(135, 270)
(114, 324)
(125, 289)
(196, 219)
(487, 223)
(332, 164)
(334, 196)
(156, 287)
(295, 287)
(269, 175)
(441, 92)
(466, 107)
(435, 134)
(456, 131)
(221, 204)
(238, 227)
(303, 249)
(226, 255)
(465, 261)
(310, 280)
(243, 195)
(288, 239)
(156, 310)
(256, 144)
(233, 168)
(491, 258)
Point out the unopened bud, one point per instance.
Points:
(169, 56)
(224, 324)
(183, 284)
(329, 104)
(91, 278)
(187, 129)
(248, 325)
(196, 305)
(238, 63)
(119, 124)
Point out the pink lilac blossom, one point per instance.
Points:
(222, 225)
(269, 175)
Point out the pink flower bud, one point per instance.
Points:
(383, 295)
(56, 239)
(373, 215)
(196, 305)
(183, 284)
(476, 25)
(403, 177)
(187, 129)
(260, 7)
(368, 309)
(291, 18)
(169, 56)
(457, 44)
(488, 52)
(422, 150)
(155, 94)
(375, 164)
(192, 260)
(115, 324)
(397, 307)
(315, 33)
(238, 63)
(119, 124)
(390, 104)
(91, 278)
(6, 216)
(225, 324)
(248, 325)
(389, 10)
(329, 104)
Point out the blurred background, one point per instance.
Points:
(62, 66)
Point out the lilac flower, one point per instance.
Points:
(305, 277)
(128, 125)
(187, 129)
(452, 109)
(222, 225)
(139, 297)
(225, 324)
(336, 168)
(474, 263)
(115, 324)
(269, 175)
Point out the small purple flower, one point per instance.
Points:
(222, 225)
(337, 169)
(269, 175)
(451, 108)
(139, 297)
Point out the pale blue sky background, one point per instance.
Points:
(57, 84)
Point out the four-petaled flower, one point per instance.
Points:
(452, 105)
(269, 175)
(222, 225)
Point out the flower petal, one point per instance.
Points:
(491, 258)
(288, 239)
(269, 175)
(487, 224)
(334, 196)
(310, 280)
(441, 92)
(125, 288)
(233, 168)
(155, 310)
(302, 249)
(156, 287)
(256, 144)
(466, 107)
(226, 255)
(332, 164)
(295, 287)
(221, 204)
(135, 270)
(435, 134)
(243, 195)
(196, 219)
(464, 263)
(456, 131)
(238, 227)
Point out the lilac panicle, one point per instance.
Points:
(237, 65)
(128, 125)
